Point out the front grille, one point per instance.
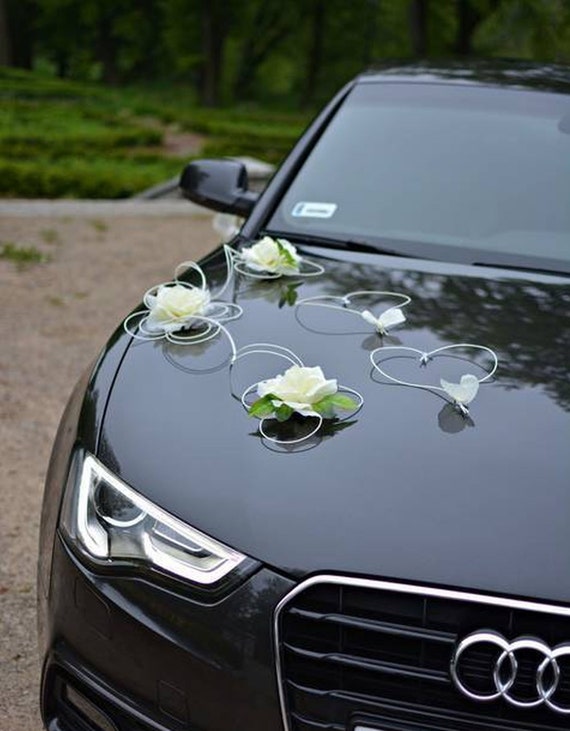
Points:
(378, 655)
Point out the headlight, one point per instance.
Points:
(108, 521)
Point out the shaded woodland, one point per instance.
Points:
(298, 51)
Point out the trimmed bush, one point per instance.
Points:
(60, 138)
(81, 179)
(269, 150)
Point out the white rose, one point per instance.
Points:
(299, 388)
(276, 256)
(173, 307)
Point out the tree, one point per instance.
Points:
(470, 15)
(315, 55)
(534, 29)
(62, 32)
(371, 17)
(266, 26)
(214, 32)
(419, 10)
(20, 24)
(107, 39)
(5, 40)
(194, 37)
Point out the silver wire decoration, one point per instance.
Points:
(293, 359)
(388, 318)
(307, 268)
(200, 326)
(460, 394)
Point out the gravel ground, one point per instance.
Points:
(54, 318)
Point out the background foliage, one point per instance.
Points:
(90, 89)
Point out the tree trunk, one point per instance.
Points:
(419, 27)
(62, 64)
(468, 18)
(214, 29)
(5, 40)
(315, 55)
(244, 82)
(271, 24)
(19, 18)
(370, 31)
(107, 50)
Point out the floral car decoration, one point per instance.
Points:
(382, 323)
(178, 305)
(175, 306)
(275, 256)
(303, 391)
(460, 394)
(271, 258)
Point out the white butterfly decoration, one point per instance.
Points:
(463, 392)
(388, 319)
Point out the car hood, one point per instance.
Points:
(406, 489)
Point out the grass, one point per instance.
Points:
(22, 256)
(50, 236)
(55, 300)
(100, 226)
(65, 139)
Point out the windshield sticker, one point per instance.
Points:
(310, 209)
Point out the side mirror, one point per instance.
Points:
(218, 184)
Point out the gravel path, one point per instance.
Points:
(54, 318)
(95, 208)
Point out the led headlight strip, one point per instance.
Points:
(107, 521)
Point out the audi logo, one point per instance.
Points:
(505, 667)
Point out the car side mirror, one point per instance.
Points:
(218, 184)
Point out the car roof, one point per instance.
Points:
(514, 74)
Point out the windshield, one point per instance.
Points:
(447, 172)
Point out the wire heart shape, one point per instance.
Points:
(461, 394)
(387, 319)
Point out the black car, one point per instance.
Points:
(390, 549)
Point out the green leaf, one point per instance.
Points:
(288, 295)
(292, 295)
(325, 407)
(346, 403)
(285, 254)
(283, 412)
(262, 407)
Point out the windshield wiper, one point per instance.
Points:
(434, 252)
(342, 244)
(552, 271)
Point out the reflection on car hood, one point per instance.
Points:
(517, 74)
(407, 489)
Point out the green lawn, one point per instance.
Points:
(64, 139)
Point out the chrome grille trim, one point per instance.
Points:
(413, 589)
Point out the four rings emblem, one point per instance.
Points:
(505, 667)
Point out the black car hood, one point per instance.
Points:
(408, 489)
